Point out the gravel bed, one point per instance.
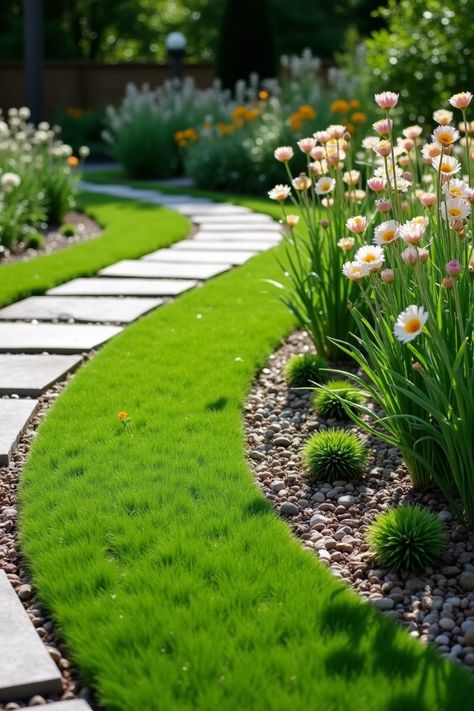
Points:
(436, 606)
(86, 228)
(11, 561)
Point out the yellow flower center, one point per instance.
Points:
(388, 235)
(446, 168)
(444, 138)
(369, 258)
(454, 212)
(413, 325)
(455, 192)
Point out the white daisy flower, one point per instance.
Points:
(447, 165)
(279, 193)
(410, 323)
(325, 185)
(386, 232)
(455, 209)
(372, 256)
(355, 270)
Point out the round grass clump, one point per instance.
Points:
(327, 400)
(34, 241)
(335, 454)
(304, 370)
(68, 230)
(408, 538)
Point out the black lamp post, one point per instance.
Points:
(33, 54)
(176, 46)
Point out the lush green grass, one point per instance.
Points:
(132, 229)
(174, 584)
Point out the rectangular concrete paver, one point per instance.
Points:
(26, 668)
(152, 270)
(63, 308)
(33, 374)
(199, 256)
(14, 417)
(193, 211)
(252, 218)
(53, 338)
(224, 245)
(73, 705)
(248, 235)
(123, 287)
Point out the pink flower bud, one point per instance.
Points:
(403, 161)
(423, 254)
(376, 184)
(382, 148)
(284, 153)
(453, 268)
(410, 255)
(324, 224)
(407, 175)
(383, 127)
(383, 205)
(408, 144)
(405, 205)
(387, 275)
(416, 366)
(318, 153)
(448, 283)
(306, 145)
(428, 199)
(386, 100)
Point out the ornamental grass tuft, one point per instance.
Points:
(334, 400)
(407, 539)
(335, 454)
(306, 369)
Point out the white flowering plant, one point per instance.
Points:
(37, 176)
(415, 342)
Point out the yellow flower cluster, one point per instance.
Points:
(183, 138)
(303, 113)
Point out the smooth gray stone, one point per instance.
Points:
(224, 245)
(199, 256)
(73, 705)
(64, 308)
(153, 270)
(123, 287)
(193, 211)
(267, 236)
(53, 338)
(26, 668)
(14, 417)
(252, 218)
(30, 375)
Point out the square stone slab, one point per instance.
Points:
(193, 211)
(152, 270)
(14, 417)
(26, 668)
(269, 236)
(223, 245)
(123, 287)
(53, 338)
(189, 256)
(30, 375)
(73, 705)
(67, 308)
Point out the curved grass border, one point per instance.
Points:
(172, 581)
(132, 230)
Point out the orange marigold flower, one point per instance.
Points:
(358, 117)
(354, 104)
(306, 112)
(73, 161)
(240, 112)
(340, 106)
(295, 122)
(122, 415)
(263, 95)
(225, 128)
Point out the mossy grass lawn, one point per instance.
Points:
(174, 584)
(131, 229)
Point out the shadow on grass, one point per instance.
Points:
(391, 656)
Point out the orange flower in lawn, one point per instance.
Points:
(358, 117)
(122, 415)
(73, 161)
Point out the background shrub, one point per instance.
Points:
(335, 454)
(409, 538)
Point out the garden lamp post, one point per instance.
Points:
(176, 46)
(33, 54)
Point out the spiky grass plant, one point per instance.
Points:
(334, 400)
(334, 454)
(409, 538)
(306, 369)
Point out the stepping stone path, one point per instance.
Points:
(227, 235)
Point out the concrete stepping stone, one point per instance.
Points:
(14, 417)
(67, 308)
(123, 287)
(251, 218)
(26, 667)
(73, 705)
(152, 270)
(253, 234)
(193, 211)
(206, 245)
(199, 256)
(30, 375)
(53, 338)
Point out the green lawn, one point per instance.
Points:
(172, 581)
